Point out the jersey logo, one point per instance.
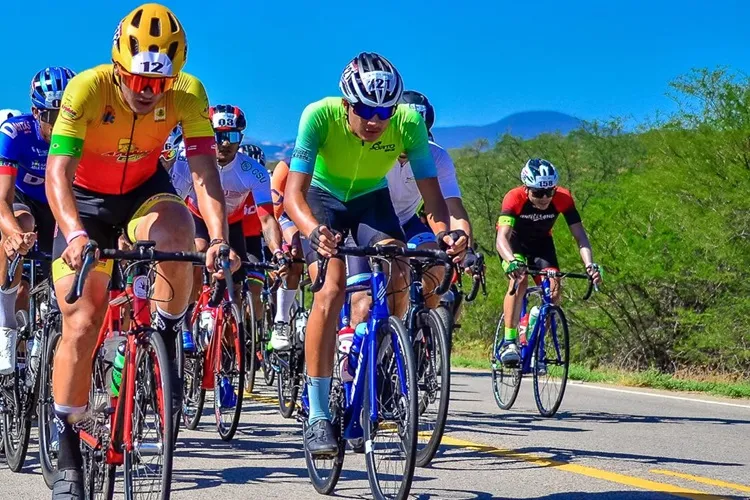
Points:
(538, 217)
(160, 114)
(127, 151)
(108, 117)
(379, 146)
(9, 130)
(302, 154)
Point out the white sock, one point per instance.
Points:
(8, 308)
(284, 303)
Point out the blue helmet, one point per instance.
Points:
(48, 85)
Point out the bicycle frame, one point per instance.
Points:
(540, 329)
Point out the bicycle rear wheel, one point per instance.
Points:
(193, 394)
(251, 345)
(325, 471)
(228, 406)
(506, 381)
(99, 476)
(391, 441)
(148, 466)
(17, 417)
(289, 378)
(431, 352)
(266, 353)
(48, 441)
(550, 362)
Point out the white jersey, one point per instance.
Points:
(405, 194)
(239, 178)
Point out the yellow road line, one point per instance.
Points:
(583, 470)
(704, 480)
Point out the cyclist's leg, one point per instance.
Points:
(512, 309)
(420, 236)
(82, 320)
(287, 292)
(8, 324)
(544, 257)
(358, 273)
(254, 249)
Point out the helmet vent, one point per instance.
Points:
(134, 45)
(172, 51)
(137, 19)
(153, 48)
(173, 26)
(155, 28)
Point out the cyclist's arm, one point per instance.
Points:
(564, 203)
(59, 176)
(278, 186)
(502, 242)
(8, 172)
(425, 172)
(295, 203)
(459, 217)
(434, 204)
(210, 196)
(584, 246)
(271, 229)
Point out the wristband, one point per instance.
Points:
(75, 234)
(216, 241)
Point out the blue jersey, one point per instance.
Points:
(23, 153)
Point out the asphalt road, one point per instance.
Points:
(606, 443)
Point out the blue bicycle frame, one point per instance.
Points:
(540, 330)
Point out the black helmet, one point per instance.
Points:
(420, 103)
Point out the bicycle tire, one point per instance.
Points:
(17, 421)
(446, 317)
(500, 373)
(288, 381)
(98, 476)
(394, 329)
(47, 457)
(435, 335)
(236, 351)
(151, 360)
(251, 336)
(269, 372)
(325, 476)
(193, 393)
(563, 364)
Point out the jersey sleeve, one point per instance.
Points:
(565, 204)
(258, 182)
(511, 208)
(278, 184)
(8, 150)
(446, 171)
(191, 102)
(79, 105)
(313, 129)
(416, 145)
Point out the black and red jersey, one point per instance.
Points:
(530, 223)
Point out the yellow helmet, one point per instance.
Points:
(150, 41)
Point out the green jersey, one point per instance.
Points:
(348, 167)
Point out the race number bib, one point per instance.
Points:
(151, 62)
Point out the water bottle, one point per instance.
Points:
(523, 325)
(227, 397)
(187, 341)
(533, 316)
(346, 335)
(359, 334)
(34, 348)
(300, 325)
(206, 320)
(117, 366)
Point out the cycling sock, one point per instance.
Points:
(169, 326)
(511, 334)
(318, 390)
(69, 454)
(284, 303)
(8, 308)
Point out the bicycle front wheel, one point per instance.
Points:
(17, 418)
(266, 353)
(434, 386)
(148, 466)
(229, 375)
(48, 439)
(324, 471)
(251, 349)
(550, 361)
(506, 381)
(391, 440)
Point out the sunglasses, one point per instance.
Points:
(139, 83)
(48, 115)
(542, 193)
(232, 137)
(367, 112)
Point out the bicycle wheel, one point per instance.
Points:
(48, 441)
(506, 381)
(325, 471)
(230, 377)
(289, 379)
(251, 344)
(431, 352)
(267, 354)
(550, 362)
(148, 466)
(390, 453)
(98, 476)
(17, 416)
(193, 394)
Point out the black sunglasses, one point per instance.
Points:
(542, 193)
(48, 115)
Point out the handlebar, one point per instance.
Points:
(559, 274)
(13, 265)
(478, 279)
(389, 252)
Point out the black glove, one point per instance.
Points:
(455, 235)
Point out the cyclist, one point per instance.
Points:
(524, 237)
(103, 174)
(241, 177)
(344, 149)
(407, 199)
(173, 149)
(24, 144)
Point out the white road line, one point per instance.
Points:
(656, 395)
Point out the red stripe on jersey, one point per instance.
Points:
(200, 146)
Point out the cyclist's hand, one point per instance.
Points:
(454, 242)
(516, 269)
(595, 271)
(324, 241)
(212, 259)
(282, 260)
(18, 243)
(73, 253)
(470, 260)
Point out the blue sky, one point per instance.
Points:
(477, 60)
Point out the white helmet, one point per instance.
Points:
(372, 80)
(8, 113)
(539, 174)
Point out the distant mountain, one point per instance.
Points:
(527, 125)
